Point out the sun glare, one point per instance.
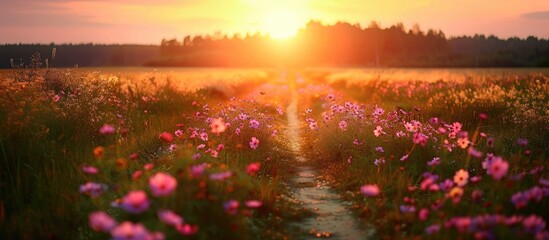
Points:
(282, 24)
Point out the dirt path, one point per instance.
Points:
(331, 217)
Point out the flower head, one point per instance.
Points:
(135, 202)
(101, 221)
(254, 143)
(370, 190)
(218, 125)
(128, 230)
(170, 218)
(461, 177)
(162, 184)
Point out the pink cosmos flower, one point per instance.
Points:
(378, 111)
(254, 143)
(237, 131)
(162, 184)
(101, 221)
(461, 177)
(420, 138)
(169, 217)
(187, 229)
(370, 190)
(220, 147)
(432, 229)
(203, 136)
(137, 174)
(90, 169)
(166, 137)
(56, 98)
(254, 203)
(127, 230)
(231, 207)
(498, 168)
(218, 125)
(313, 125)
(378, 131)
(253, 168)
(172, 147)
(198, 170)
(221, 175)
(254, 124)
(343, 125)
(435, 161)
(423, 214)
(179, 133)
(93, 189)
(135, 202)
(148, 166)
(107, 129)
(534, 224)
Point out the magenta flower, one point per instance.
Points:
(162, 184)
(253, 168)
(423, 214)
(128, 230)
(370, 190)
(90, 169)
(254, 124)
(135, 202)
(187, 229)
(254, 143)
(107, 129)
(497, 168)
(420, 138)
(170, 218)
(343, 125)
(137, 174)
(221, 175)
(203, 136)
(179, 133)
(93, 189)
(101, 221)
(231, 207)
(198, 170)
(166, 137)
(432, 229)
(407, 208)
(254, 203)
(435, 161)
(534, 224)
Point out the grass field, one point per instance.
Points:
(214, 153)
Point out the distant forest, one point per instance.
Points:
(338, 45)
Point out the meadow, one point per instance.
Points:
(214, 153)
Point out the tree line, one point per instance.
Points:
(338, 45)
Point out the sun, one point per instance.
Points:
(282, 23)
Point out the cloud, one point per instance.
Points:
(541, 15)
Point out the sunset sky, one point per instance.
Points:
(147, 22)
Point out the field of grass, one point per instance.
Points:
(210, 153)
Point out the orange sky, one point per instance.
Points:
(139, 21)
